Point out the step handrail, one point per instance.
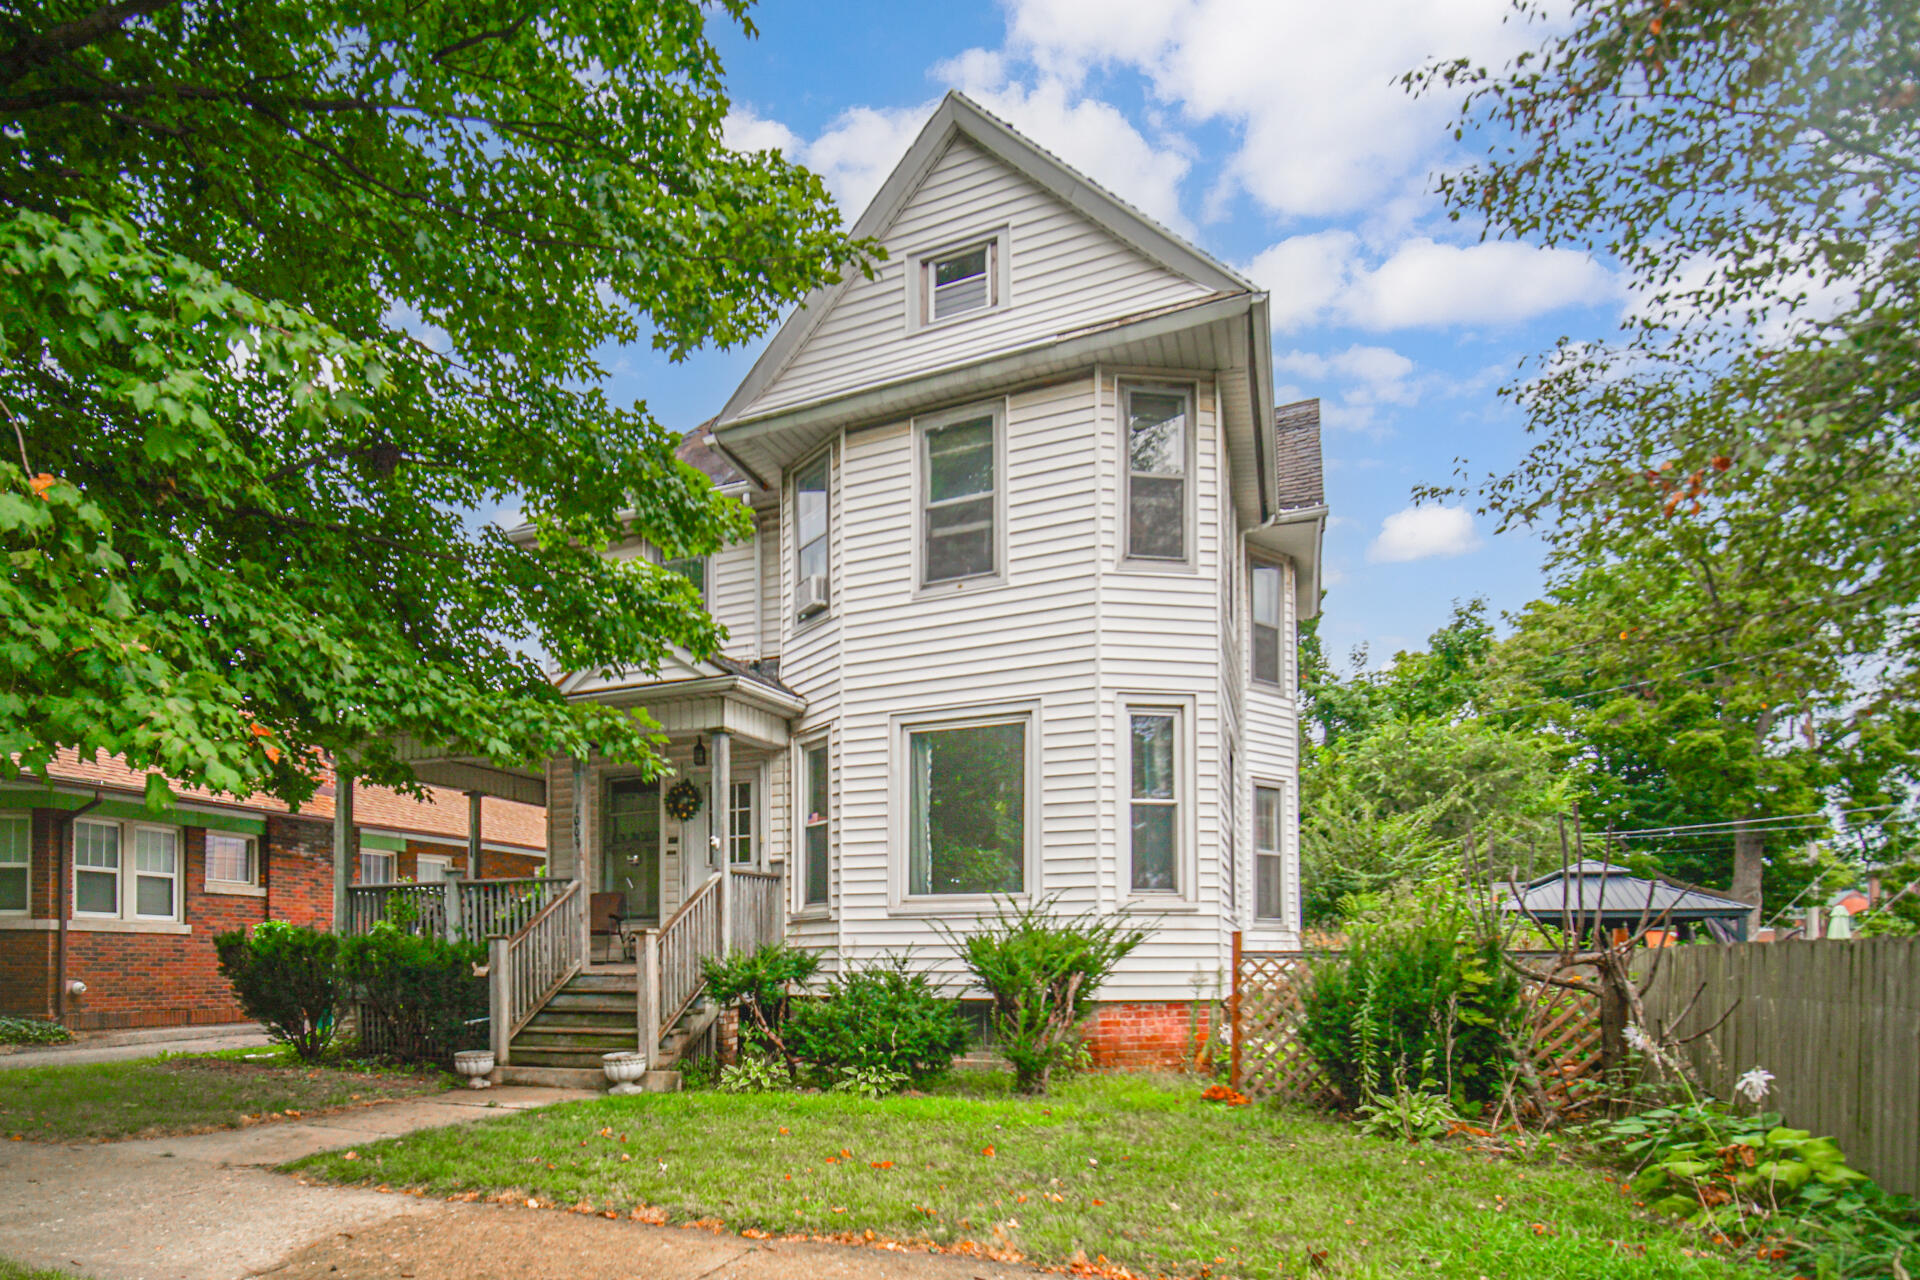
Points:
(525, 969)
(670, 976)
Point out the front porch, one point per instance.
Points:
(649, 877)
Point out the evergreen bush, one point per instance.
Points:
(882, 1022)
(420, 991)
(287, 978)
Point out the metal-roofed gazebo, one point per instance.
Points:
(1593, 897)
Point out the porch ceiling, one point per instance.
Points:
(442, 767)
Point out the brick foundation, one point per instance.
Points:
(1148, 1035)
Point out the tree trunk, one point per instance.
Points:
(1749, 851)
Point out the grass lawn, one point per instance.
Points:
(148, 1097)
(11, 1270)
(1134, 1169)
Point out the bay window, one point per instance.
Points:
(958, 496)
(1154, 817)
(1159, 455)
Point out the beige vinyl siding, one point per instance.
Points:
(1065, 273)
(1270, 749)
(733, 588)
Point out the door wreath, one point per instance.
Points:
(683, 801)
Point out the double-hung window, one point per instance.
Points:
(1269, 884)
(429, 870)
(811, 525)
(16, 835)
(693, 569)
(958, 497)
(961, 281)
(376, 867)
(126, 871)
(1154, 818)
(967, 784)
(815, 821)
(1266, 623)
(231, 859)
(1159, 453)
(740, 816)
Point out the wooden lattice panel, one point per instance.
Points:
(1562, 1030)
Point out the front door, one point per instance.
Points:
(630, 851)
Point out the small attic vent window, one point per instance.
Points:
(960, 282)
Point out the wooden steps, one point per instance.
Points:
(594, 1014)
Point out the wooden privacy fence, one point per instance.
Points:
(1836, 1022)
(1562, 1031)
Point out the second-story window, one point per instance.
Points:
(1157, 460)
(959, 282)
(693, 569)
(1266, 623)
(958, 497)
(812, 588)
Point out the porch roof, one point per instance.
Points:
(699, 695)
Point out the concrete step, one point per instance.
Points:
(554, 1077)
(534, 1055)
(577, 1040)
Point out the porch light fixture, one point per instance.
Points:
(699, 752)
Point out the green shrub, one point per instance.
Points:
(419, 990)
(882, 1019)
(754, 1073)
(1419, 996)
(32, 1031)
(761, 984)
(1042, 973)
(287, 978)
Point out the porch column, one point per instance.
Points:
(580, 848)
(343, 846)
(721, 825)
(473, 835)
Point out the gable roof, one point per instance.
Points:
(959, 116)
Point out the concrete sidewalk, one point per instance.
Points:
(209, 1207)
(121, 1046)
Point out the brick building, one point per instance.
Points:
(148, 890)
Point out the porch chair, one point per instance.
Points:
(605, 912)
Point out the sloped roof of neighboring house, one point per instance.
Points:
(697, 447)
(1298, 480)
(1595, 887)
(441, 817)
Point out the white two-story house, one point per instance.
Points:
(1017, 621)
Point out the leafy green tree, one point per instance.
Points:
(1747, 443)
(289, 294)
(1439, 681)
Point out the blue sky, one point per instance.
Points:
(1271, 133)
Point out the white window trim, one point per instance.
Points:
(211, 883)
(919, 290)
(393, 877)
(706, 574)
(126, 891)
(1284, 921)
(997, 576)
(441, 860)
(26, 820)
(1279, 683)
(756, 777)
(802, 909)
(1190, 524)
(1184, 895)
(905, 724)
(793, 535)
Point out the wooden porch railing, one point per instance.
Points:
(758, 908)
(524, 970)
(670, 973)
(473, 909)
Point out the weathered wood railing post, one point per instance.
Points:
(647, 976)
(499, 999)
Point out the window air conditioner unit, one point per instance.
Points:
(812, 596)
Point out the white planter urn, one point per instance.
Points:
(624, 1069)
(476, 1065)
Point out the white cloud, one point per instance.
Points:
(1424, 533)
(1422, 284)
(1312, 89)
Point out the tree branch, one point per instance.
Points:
(37, 51)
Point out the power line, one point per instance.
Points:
(1756, 822)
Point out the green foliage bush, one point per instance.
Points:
(884, 1021)
(1042, 973)
(1418, 994)
(762, 985)
(32, 1031)
(420, 990)
(287, 978)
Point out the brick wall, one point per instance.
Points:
(1147, 1035)
(138, 979)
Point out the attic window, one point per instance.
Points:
(959, 282)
